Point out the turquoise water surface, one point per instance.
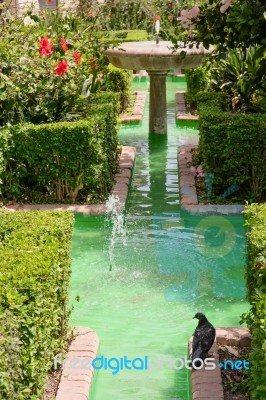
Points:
(170, 266)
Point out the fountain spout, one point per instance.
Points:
(157, 28)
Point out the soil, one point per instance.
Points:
(52, 385)
(234, 381)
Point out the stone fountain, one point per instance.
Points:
(156, 58)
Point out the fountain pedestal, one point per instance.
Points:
(158, 117)
(157, 59)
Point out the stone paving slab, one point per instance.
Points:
(120, 189)
(75, 383)
(138, 109)
(189, 200)
(207, 384)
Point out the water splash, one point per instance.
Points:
(114, 209)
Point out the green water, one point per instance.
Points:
(173, 265)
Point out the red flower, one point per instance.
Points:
(157, 18)
(64, 43)
(46, 47)
(49, 1)
(61, 68)
(77, 57)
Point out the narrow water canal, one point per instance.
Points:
(173, 265)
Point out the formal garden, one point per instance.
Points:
(60, 143)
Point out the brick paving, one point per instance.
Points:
(120, 189)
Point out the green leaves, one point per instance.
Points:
(59, 162)
(34, 263)
(232, 146)
(240, 74)
(255, 215)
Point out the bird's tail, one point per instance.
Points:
(198, 353)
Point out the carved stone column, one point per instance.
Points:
(158, 117)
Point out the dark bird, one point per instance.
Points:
(203, 339)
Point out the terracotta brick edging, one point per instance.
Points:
(75, 383)
(120, 189)
(138, 109)
(181, 110)
(188, 194)
(207, 384)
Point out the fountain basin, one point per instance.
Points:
(157, 59)
(151, 56)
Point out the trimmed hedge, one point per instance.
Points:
(34, 281)
(134, 35)
(4, 139)
(232, 146)
(207, 100)
(119, 80)
(197, 80)
(110, 98)
(256, 281)
(65, 161)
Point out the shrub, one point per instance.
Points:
(48, 69)
(232, 146)
(256, 281)
(206, 100)
(34, 283)
(111, 98)
(63, 161)
(197, 80)
(4, 138)
(129, 35)
(240, 74)
(119, 80)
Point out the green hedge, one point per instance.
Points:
(197, 80)
(104, 98)
(207, 100)
(232, 146)
(119, 81)
(34, 281)
(134, 35)
(4, 139)
(256, 280)
(65, 161)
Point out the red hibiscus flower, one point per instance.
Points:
(64, 43)
(77, 57)
(61, 68)
(46, 47)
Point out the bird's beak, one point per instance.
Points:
(194, 317)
